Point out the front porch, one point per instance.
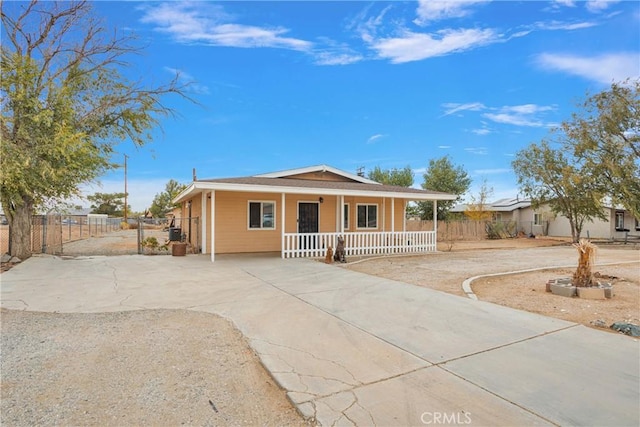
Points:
(301, 245)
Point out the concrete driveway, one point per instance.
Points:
(355, 349)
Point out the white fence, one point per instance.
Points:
(302, 245)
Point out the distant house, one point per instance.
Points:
(301, 212)
(543, 221)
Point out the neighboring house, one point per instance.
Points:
(543, 221)
(301, 212)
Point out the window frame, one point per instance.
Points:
(537, 218)
(262, 203)
(619, 226)
(367, 205)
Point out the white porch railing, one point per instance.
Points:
(303, 245)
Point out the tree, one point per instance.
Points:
(442, 175)
(477, 206)
(111, 204)
(399, 177)
(65, 105)
(163, 202)
(553, 176)
(605, 135)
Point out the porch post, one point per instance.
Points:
(282, 222)
(404, 215)
(393, 214)
(341, 227)
(203, 222)
(435, 219)
(213, 225)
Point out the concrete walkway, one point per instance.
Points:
(355, 349)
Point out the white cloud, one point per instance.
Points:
(374, 138)
(191, 84)
(596, 6)
(566, 3)
(520, 115)
(559, 25)
(430, 10)
(498, 171)
(451, 108)
(513, 119)
(412, 46)
(604, 68)
(201, 22)
(481, 132)
(482, 151)
(444, 147)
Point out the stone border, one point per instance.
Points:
(466, 285)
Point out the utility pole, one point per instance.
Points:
(125, 187)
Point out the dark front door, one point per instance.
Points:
(307, 217)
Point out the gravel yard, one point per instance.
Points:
(151, 367)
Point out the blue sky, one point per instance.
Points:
(349, 84)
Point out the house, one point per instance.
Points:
(301, 212)
(542, 221)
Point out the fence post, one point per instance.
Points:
(44, 234)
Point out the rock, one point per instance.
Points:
(15, 260)
(599, 323)
(5, 258)
(626, 328)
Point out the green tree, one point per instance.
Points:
(605, 135)
(163, 202)
(65, 105)
(400, 177)
(442, 175)
(111, 204)
(552, 176)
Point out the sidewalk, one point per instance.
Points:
(355, 349)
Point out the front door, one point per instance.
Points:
(308, 217)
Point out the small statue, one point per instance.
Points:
(339, 254)
(328, 259)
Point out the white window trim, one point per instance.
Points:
(377, 216)
(262, 202)
(619, 214)
(346, 217)
(538, 216)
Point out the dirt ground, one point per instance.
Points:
(149, 367)
(527, 292)
(524, 291)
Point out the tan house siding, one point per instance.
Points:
(232, 224)
(232, 233)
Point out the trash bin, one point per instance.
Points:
(179, 249)
(175, 234)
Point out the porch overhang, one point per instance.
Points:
(367, 190)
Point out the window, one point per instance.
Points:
(262, 215)
(346, 216)
(537, 219)
(619, 220)
(367, 216)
